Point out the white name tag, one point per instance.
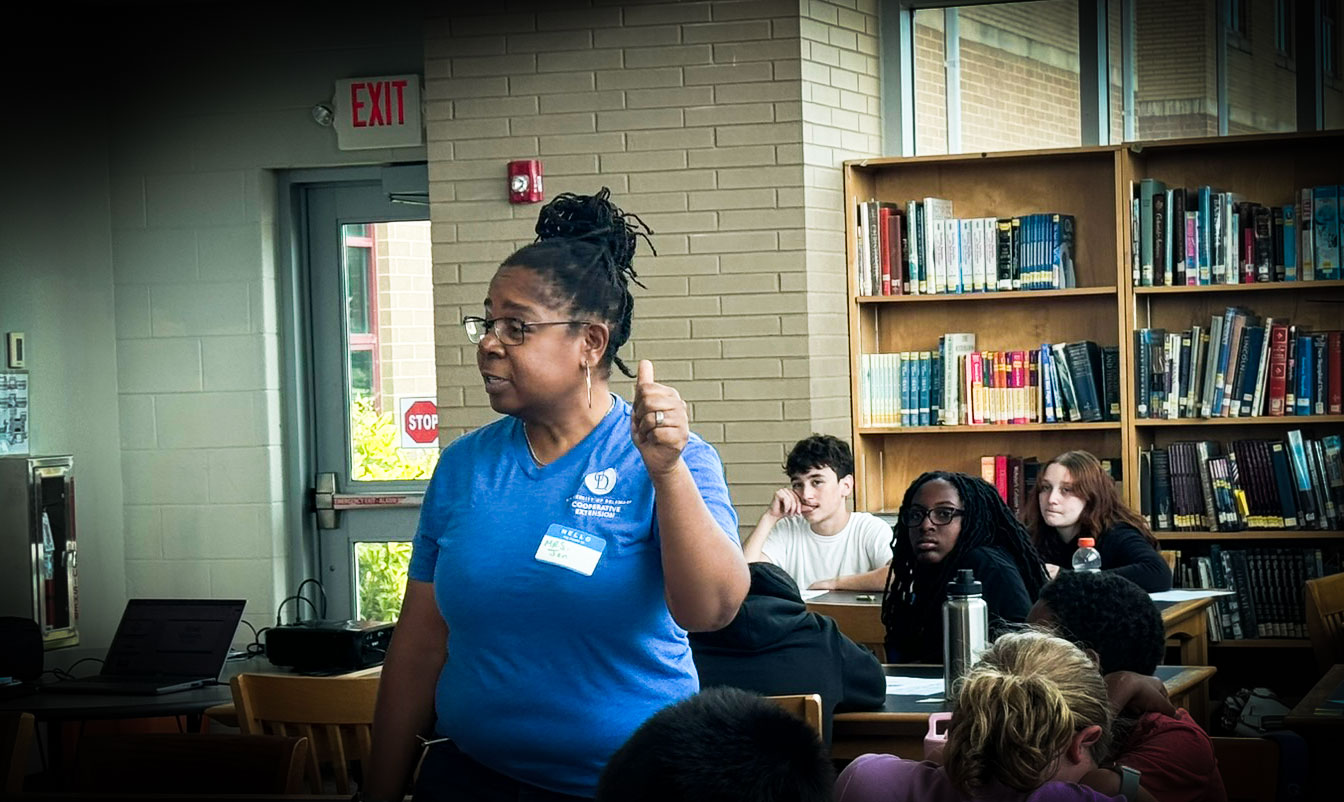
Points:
(571, 548)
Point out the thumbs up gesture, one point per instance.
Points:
(658, 422)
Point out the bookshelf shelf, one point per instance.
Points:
(1017, 427)
(1273, 286)
(986, 296)
(1285, 421)
(1252, 534)
(1262, 643)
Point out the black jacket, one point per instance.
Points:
(776, 646)
(1124, 551)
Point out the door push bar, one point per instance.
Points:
(328, 503)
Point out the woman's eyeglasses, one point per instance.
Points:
(508, 330)
(941, 516)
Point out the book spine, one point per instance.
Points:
(1333, 366)
(1177, 227)
(1110, 376)
(1304, 374)
(924, 386)
(885, 248)
(1306, 257)
(1278, 268)
(1290, 242)
(1161, 489)
(1161, 262)
(1262, 269)
(1325, 226)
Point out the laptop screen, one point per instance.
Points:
(173, 637)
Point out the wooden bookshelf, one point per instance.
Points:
(1095, 185)
(1262, 643)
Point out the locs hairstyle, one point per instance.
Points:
(585, 251)
(912, 603)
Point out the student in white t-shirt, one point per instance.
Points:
(810, 532)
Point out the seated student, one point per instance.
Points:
(1030, 720)
(810, 532)
(775, 646)
(1115, 618)
(1077, 498)
(953, 521)
(721, 745)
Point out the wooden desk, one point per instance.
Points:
(1187, 623)
(1323, 732)
(859, 616)
(899, 727)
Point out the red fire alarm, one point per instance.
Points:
(525, 181)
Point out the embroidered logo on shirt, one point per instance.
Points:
(600, 483)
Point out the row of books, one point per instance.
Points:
(1267, 584)
(1193, 237)
(1014, 476)
(923, 249)
(1238, 366)
(1297, 483)
(958, 385)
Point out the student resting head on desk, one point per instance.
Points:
(1076, 497)
(951, 521)
(1118, 622)
(549, 596)
(1030, 720)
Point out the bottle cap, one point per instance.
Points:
(965, 584)
(1087, 543)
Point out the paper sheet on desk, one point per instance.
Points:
(808, 595)
(1187, 595)
(914, 686)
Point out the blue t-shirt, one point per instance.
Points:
(549, 671)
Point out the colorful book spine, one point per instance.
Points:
(1325, 228)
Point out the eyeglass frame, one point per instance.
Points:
(952, 514)
(488, 327)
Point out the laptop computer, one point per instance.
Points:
(163, 646)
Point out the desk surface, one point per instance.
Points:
(72, 706)
(1305, 712)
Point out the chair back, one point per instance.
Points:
(1325, 619)
(861, 623)
(16, 737)
(1249, 768)
(174, 763)
(335, 714)
(806, 706)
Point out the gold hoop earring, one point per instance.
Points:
(588, 380)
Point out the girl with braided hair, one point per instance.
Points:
(949, 521)
(563, 551)
(1031, 723)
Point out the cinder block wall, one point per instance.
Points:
(722, 125)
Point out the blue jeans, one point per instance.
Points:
(447, 775)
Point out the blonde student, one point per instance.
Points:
(1031, 721)
(808, 529)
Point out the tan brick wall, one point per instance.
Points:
(692, 113)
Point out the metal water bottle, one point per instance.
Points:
(965, 628)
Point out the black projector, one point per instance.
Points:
(328, 646)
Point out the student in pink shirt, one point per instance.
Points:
(1031, 720)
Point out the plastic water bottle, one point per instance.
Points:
(965, 628)
(1087, 558)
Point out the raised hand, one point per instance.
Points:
(658, 422)
(785, 503)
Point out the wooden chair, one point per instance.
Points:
(1249, 767)
(806, 706)
(335, 714)
(861, 623)
(185, 763)
(16, 737)
(1325, 619)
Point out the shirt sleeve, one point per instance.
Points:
(1125, 552)
(879, 545)
(707, 471)
(434, 512)
(1005, 593)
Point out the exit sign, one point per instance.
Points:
(379, 112)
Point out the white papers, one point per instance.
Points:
(1187, 595)
(914, 686)
(809, 595)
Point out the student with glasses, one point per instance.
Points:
(564, 550)
(947, 522)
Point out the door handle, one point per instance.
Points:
(328, 503)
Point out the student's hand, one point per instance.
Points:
(659, 425)
(1137, 693)
(783, 504)
(823, 584)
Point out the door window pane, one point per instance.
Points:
(390, 345)
(381, 571)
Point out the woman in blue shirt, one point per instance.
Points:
(564, 550)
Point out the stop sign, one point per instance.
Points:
(421, 422)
